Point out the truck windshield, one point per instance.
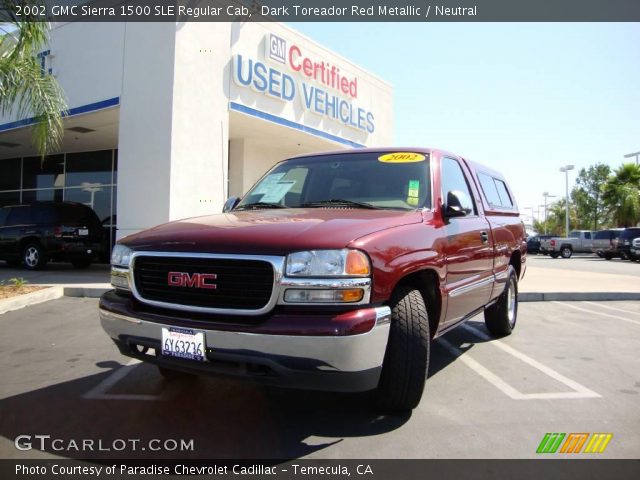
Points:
(398, 181)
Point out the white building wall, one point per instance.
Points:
(174, 123)
(200, 134)
(88, 56)
(145, 142)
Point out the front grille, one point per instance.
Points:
(240, 283)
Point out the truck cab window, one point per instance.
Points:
(453, 180)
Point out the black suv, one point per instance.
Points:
(33, 234)
(625, 240)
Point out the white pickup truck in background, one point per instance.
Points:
(578, 241)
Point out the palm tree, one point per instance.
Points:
(25, 89)
(622, 195)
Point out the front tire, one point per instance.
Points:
(500, 318)
(33, 257)
(406, 360)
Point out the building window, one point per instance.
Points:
(9, 198)
(39, 173)
(85, 177)
(11, 170)
(43, 195)
(89, 168)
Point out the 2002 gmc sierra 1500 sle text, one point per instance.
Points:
(335, 272)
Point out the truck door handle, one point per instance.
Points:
(484, 236)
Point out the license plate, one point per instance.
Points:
(83, 231)
(183, 343)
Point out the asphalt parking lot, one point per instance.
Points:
(569, 367)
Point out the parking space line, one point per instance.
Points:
(579, 390)
(98, 392)
(488, 375)
(617, 317)
(534, 363)
(613, 308)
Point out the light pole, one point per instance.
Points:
(546, 195)
(629, 155)
(530, 215)
(566, 169)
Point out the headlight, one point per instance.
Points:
(121, 256)
(328, 263)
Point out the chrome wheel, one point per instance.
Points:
(511, 302)
(501, 317)
(31, 257)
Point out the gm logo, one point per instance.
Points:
(276, 48)
(574, 442)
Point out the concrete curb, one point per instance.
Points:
(88, 292)
(21, 301)
(577, 296)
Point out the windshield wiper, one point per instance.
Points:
(339, 202)
(256, 205)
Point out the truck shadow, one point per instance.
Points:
(224, 419)
(447, 349)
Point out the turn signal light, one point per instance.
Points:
(357, 264)
(349, 295)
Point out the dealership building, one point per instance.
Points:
(166, 120)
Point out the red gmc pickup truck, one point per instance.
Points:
(335, 272)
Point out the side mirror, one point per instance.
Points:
(453, 208)
(230, 204)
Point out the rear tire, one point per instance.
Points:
(566, 252)
(500, 318)
(33, 257)
(554, 254)
(406, 360)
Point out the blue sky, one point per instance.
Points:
(524, 98)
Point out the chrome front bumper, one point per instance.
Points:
(348, 363)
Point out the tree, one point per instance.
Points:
(622, 195)
(556, 218)
(25, 89)
(586, 196)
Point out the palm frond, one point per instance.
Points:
(25, 89)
